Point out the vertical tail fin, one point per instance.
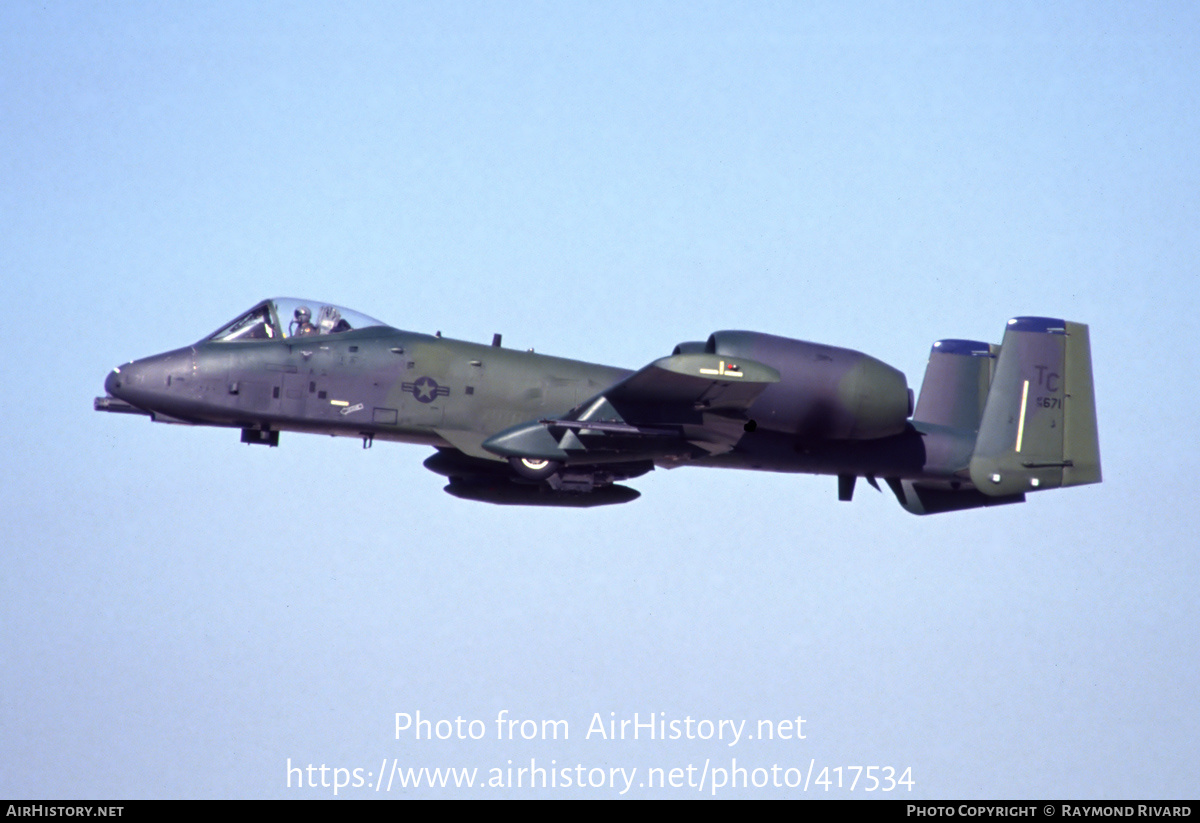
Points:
(1038, 429)
(956, 384)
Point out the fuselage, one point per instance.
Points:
(385, 384)
(378, 382)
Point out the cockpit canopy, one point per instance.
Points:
(285, 317)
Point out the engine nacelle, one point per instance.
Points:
(826, 392)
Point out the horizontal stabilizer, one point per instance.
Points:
(920, 498)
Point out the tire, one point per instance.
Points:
(532, 469)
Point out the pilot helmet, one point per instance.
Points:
(303, 314)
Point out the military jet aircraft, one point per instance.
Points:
(993, 422)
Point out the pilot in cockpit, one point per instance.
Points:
(302, 325)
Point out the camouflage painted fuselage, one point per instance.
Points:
(513, 426)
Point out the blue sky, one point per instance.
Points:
(182, 615)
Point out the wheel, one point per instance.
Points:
(533, 469)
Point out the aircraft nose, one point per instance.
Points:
(112, 383)
(129, 380)
(146, 382)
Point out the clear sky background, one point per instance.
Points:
(182, 614)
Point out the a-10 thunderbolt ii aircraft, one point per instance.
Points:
(992, 422)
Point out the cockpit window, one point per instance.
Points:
(255, 324)
(286, 317)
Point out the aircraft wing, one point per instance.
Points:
(685, 404)
(673, 387)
